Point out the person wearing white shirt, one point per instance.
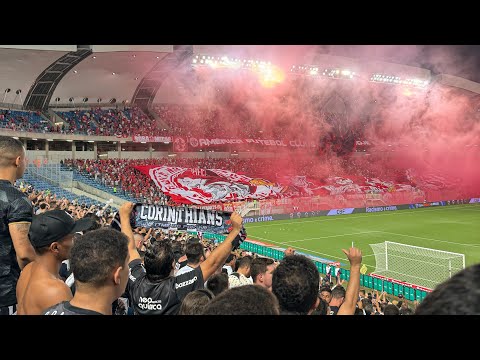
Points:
(242, 275)
(195, 256)
(229, 264)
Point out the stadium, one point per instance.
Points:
(317, 150)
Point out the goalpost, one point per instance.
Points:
(373, 199)
(416, 265)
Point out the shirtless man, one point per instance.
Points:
(40, 285)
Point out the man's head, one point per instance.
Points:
(139, 239)
(458, 295)
(195, 302)
(95, 221)
(99, 259)
(244, 300)
(244, 265)
(262, 271)
(322, 308)
(195, 253)
(52, 232)
(295, 284)
(361, 294)
(159, 260)
(231, 259)
(325, 293)
(338, 296)
(12, 156)
(217, 283)
(177, 248)
(391, 309)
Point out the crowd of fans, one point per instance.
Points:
(194, 120)
(240, 268)
(30, 121)
(107, 122)
(273, 294)
(183, 120)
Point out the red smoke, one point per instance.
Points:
(431, 131)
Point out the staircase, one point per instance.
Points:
(40, 185)
(86, 179)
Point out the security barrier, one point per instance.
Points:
(391, 287)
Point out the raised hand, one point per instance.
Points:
(126, 209)
(354, 255)
(236, 221)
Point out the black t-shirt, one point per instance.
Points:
(14, 207)
(65, 308)
(334, 310)
(162, 297)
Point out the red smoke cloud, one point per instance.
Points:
(433, 131)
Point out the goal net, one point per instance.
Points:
(416, 265)
(373, 199)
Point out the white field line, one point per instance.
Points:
(297, 247)
(360, 216)
(365, 232)
(332, 236)
(430, 239)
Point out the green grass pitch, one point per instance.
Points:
(450, 228)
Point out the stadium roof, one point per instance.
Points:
(115, 71)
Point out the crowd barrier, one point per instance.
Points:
(372, 281)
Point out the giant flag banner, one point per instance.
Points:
(206, 186)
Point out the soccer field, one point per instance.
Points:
(453, 228)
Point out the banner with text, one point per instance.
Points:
(181, 218)
(152, 139)
(299, 143)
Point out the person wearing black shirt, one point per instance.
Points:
(154, 290)
(16, 212)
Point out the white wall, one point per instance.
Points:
(185, 155)
(54, 157)
(129, 155)
(108, 48)
(42, 47)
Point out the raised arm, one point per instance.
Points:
(355, 257)
(147, 235)
(19, 218)
(219, 255)
(125, 211)
(21, 243)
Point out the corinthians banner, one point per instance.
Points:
(204, 186)
(181, 218)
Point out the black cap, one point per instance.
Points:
(53, 226)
